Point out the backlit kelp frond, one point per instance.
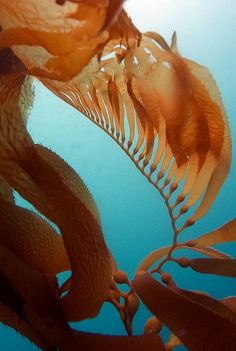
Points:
(52, 40)
(165, 112)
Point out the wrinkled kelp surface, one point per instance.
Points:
(166, 113)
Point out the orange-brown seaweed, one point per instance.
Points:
(166, 113)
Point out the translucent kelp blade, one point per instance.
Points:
(209, 97)
(195, 323)
(52, 40)
(223, 234)
(226, 267)
(207, 109)
(90, 342)
(32, 239)
(113, 11)
(218, 177)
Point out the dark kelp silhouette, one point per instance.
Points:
(166, 113)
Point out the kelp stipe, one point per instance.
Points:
(166, 113)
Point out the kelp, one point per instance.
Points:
(193, 331)
(166, 113)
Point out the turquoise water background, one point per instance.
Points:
(134, 217)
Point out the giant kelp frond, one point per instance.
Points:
(164, 111)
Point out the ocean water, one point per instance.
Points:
(134, 217)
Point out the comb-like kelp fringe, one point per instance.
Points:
(105, 93)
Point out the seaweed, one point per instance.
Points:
(166, 113)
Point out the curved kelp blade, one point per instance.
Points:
(223, 234)
(195, 323)
(32, 239)
(225, 267)
(59, 193)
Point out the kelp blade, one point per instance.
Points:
(196, 325)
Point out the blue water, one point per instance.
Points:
(134, 217)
